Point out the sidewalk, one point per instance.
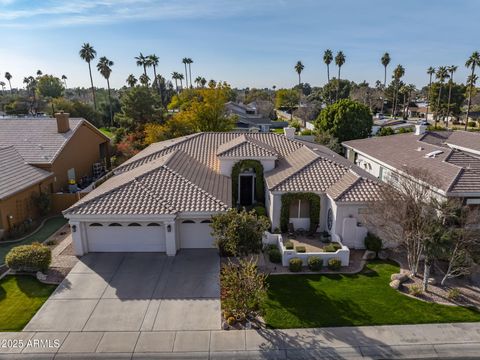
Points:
(371, 342)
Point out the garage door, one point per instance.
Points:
(196, 234)
(132, 237)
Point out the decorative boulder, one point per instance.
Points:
(369, 255)
(395, 284)
(41, 276)
(402, 277)
(382, 255)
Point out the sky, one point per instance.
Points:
(248, 43)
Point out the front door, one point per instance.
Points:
(246, 190)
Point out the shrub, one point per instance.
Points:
(43, 202)
(277, 231)
(415, 290)
(295, 264)
(472, 124)
(332, 247)
(454, 294)
(373, 243)
(260, 210)
(31, 258)
(315, 263)
(288, 245)
(243, 289)
(300, 249)
(50, 242)
(275, 256)
(334, 264)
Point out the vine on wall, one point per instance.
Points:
(287, 199)
(240, 167)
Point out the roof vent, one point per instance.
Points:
(420, 129)
(433, 154)
(289, 132)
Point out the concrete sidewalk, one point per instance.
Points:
(371, 342)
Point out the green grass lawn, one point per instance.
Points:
(299, 301)
(50, 226)
(20, 298)
(107, 132)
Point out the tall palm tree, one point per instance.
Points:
(472, 62)
(441, 75)
(198, 80)
(64, 78)
(180, 77)
(327, 59)
(153, 62)
(131, 80)
(142, 61)
(9, 76)
(299, 68)
(430, 71)
(339, 61)
(88, 53)
(451, 69)
(104, 66)
(385, 60)
(397, 75)
(190, 62)
(185, 62)
(175, 76)
(144, 79)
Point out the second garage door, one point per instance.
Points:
(132, 237)
(196, 234)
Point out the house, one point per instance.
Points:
(45, 155)
(248, 117)
(452, 158)
(163, 198)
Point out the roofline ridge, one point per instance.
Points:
(348, 187)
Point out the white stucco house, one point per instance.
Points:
(162, 199)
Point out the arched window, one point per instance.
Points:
(153, 224)
(134, 224)
(115, 224)
(96, 224)
(206, 221)
(188, 222)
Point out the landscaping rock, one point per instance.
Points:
(369, 255)
(432, 281)
(395, 284)
(41, 276)
(382, 255)
(402, 277)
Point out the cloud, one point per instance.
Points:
(55, 13)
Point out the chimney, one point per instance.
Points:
(63, 125)
(289, 132)
(420, 129)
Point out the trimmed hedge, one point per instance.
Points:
(288, 245)
(287, 199)
(315, 263)
(30, 258)
(241, 166)
(332, 247)
(295, 264)
(334, 264)
(373, 243)
(275, 256)
(300, 249)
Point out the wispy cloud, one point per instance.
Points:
(55, 13)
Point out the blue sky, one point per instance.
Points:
(246, 43)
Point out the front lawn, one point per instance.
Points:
(301, 301)
(50, 226)
(20, 299)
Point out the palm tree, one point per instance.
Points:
(144, 79)
(203, 82)
(185, 62)
(64, 78)
(39, 73)
(472, 62)
(385, 60)
(430, 72)
(327, 59)
(180, 77)
(441, 75)
(2, 85)
(339, 61)
(142, 61)
(212, 83)
(88, 53)
(9, 76)
(153, 61)
(397, 75)
(299, 68)
(104, 66)
(406, 91)
(131, 80)
(198, 80)
(451, 69)
(190, 62)
(176, 76)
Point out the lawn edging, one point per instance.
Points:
(33, 232)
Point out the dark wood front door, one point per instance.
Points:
(246, 190)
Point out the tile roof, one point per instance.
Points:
(16, 174)
(36, 140)
(246, 146)
(363, 190)
(464, 139)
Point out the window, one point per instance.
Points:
(206, 221)
(188, 222)
(115, 224)
(300, 209)
(96, 224)
(153, 224)
(134, 224)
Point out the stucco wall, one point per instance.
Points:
(226, 165)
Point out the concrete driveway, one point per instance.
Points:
(136, 291)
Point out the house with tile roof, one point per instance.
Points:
(452, 158)
(162, 199)
(44, 155)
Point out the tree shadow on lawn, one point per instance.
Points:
(31, 287)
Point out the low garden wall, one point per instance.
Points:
(342, 254)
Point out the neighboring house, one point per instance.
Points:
(19, 184)
(66, 147)
(248, 118)
(42, 155)
(452, 158)
(163, 198)
(395, 124)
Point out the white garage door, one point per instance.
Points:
(132, 237)
(196, 234)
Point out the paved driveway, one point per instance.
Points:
(135, 291)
